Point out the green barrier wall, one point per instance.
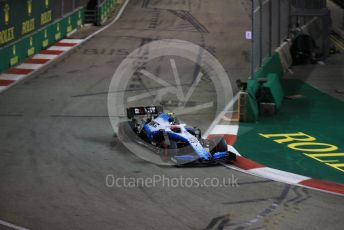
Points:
(272, 70)
(29, 45)
(104, 10)
(271, 65)
(252, 111)
(19, 18)
(275, 90)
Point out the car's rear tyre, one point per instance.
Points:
(232, 156)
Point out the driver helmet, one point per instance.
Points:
(172, 118)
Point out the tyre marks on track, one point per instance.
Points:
(184, 4)
(155, 19)
(284, 205)
(218, 223)
(189, 23)
(145, 3)
(136, 83)
(188, 17)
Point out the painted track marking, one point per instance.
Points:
(13, 226)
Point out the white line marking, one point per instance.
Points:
(50, 57)
(321, 190)
(13, 226)
(180, 93)
(2, 88)
(72, 32)
(44, 56)
(221, 115)
(233, 150)
(29, 66)
(278, 175)
(193, 87)
(225, 129)
(14, 77)
(76, 41)
(60, 48)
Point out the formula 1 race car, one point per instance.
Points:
(172, 140)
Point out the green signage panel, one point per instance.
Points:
(21, 17)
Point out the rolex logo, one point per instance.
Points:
(29, 7)
(7, 13)
(14, 50)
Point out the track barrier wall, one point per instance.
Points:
(271, 65)
(272, 70)
(252, 110)
(274, 90)
(20, 49)
(104, 10)
(273, 23)
(285, 55)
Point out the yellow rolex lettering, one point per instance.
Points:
(28, 26)
(289, 137)
(6, 35)
(46, 17)
(321, 152)
(321, 157)
(339, 167)
(324, 147)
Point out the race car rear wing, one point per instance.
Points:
(140, 111)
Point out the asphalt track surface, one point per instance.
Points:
(57, 147)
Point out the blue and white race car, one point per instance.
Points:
(174, 141)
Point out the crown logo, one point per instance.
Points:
(7, 13)
(29, 7)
